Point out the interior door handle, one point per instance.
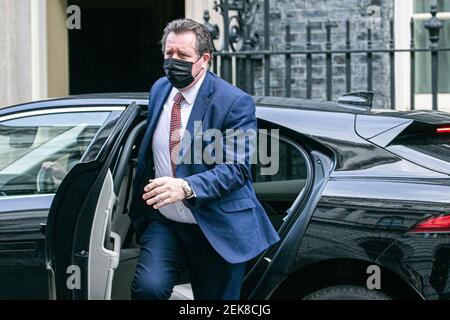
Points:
(117, 241)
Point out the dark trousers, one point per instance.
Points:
(168, 248)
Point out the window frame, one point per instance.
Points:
(301, 199)
(403, 12)
(58, 110)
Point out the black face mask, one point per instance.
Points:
(179, 72)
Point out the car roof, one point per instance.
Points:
(99, 99)
(126, 98)
(425, 116)
(306, 104)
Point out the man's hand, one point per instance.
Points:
(162, 191)
(55, 169)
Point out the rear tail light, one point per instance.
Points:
(434, 224)
(443, 130)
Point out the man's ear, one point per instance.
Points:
(205, 63)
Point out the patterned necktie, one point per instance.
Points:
(174, 135)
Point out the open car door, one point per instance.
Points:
(274, 265)
(82, 253)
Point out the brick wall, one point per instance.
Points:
(296, 13)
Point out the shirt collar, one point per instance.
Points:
(191, 94)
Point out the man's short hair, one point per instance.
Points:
(204, 41)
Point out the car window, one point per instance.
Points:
(36, 152)
(431, 150)
(278, 191)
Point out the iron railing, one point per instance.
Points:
(240, 41)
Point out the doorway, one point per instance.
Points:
(117, 48)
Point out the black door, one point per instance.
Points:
(273, 265)
(117, 48)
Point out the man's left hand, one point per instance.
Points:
(162, 191)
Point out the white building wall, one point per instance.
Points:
(15, 52)
(23, 51)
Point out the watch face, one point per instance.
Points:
(187, 189)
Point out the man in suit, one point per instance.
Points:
(190, 214)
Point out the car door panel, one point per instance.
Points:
(104, 254)
(22, 267)
(273, 265)
(82, 208)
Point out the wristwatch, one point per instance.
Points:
(187, 189)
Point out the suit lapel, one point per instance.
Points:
(158, 106)
(198, 112)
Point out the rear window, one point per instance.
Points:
(429, 148)
(437, 146)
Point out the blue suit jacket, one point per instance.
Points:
(225, 207)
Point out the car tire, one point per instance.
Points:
(345, 292)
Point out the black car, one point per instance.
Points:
(360, 199)
(57, 132)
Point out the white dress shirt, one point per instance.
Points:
(160, 144)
